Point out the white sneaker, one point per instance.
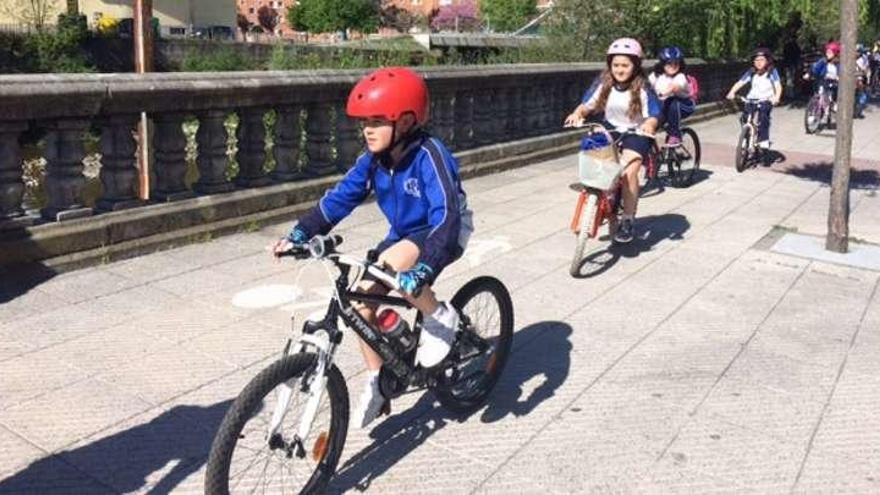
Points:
(438, 333)
(371, 403)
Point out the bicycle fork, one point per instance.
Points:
(314, 388)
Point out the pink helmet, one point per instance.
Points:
(625, 46)
(834, 46)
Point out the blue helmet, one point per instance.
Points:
(671, 54)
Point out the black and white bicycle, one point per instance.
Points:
(286, 430)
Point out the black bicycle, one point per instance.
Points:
(286, 430)
(677, 163)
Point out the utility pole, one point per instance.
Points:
(143, 63)
(837, 239)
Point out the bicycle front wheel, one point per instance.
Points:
(245, 458)
(813, 116)
(687, 158)
(585, 226)
(484, 345)
(743, 148)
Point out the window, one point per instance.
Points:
(177, 31)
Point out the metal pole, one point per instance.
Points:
(143, 63)
(837, 239)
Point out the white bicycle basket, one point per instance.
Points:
(599, 167)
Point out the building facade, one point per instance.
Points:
(176, 17)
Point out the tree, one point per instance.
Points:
(268, 18)
(34, 13)
(323, 16)
(507, 15)
(244, 24)
(392, 16)
(459, 17)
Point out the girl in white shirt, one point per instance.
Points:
(674, 90)
(624, 95)
(766, 87)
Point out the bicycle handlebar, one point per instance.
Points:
(323, 247)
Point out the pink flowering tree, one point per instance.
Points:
(460, 17)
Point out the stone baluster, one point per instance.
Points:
(501, 116)
(169, 143)
(251, 156)
(442, 117)
(11, 183)
(483, 117)
(515, 125)
(119, 173)
(212, 160)
(348, 142)
(64, 171)
(318, 146)
(464, 120)
(288, 132)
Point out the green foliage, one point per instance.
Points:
(289, 58)
(223, 58)
(323, 16)
(507, 15)
(60, 51)
(704, 28)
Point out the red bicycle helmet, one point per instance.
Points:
(389, 93)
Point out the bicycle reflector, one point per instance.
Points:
(319, 450)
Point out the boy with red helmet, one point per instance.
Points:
(417, 186)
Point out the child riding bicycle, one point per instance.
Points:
(417, 186)
(674, 91)
(624, 95)
(765, 87)
(826, 71)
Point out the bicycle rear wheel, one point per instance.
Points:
(243, 460)
(483, 346)
(585, 226)
(744, 148)
(688, 157)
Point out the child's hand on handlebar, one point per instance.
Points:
(573, 120)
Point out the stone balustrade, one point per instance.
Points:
(470, 107)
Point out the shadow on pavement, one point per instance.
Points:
(540, 350)
(177, 441)
(650, 231)
(17, 280)
(821, 172)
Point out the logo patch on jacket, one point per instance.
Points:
(411, 187)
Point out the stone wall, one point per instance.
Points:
(471, 108)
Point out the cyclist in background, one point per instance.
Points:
(826, 71)
(674, 91)
(766, 87)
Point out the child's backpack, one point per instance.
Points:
(694, 86)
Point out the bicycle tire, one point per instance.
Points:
(587, 220)
(246, 406)
(683, 176)
(816, 126)
(743, 147)
(465, 404)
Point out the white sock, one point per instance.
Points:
(440, 312)
(628, 217)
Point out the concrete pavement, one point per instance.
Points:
(695, 360)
